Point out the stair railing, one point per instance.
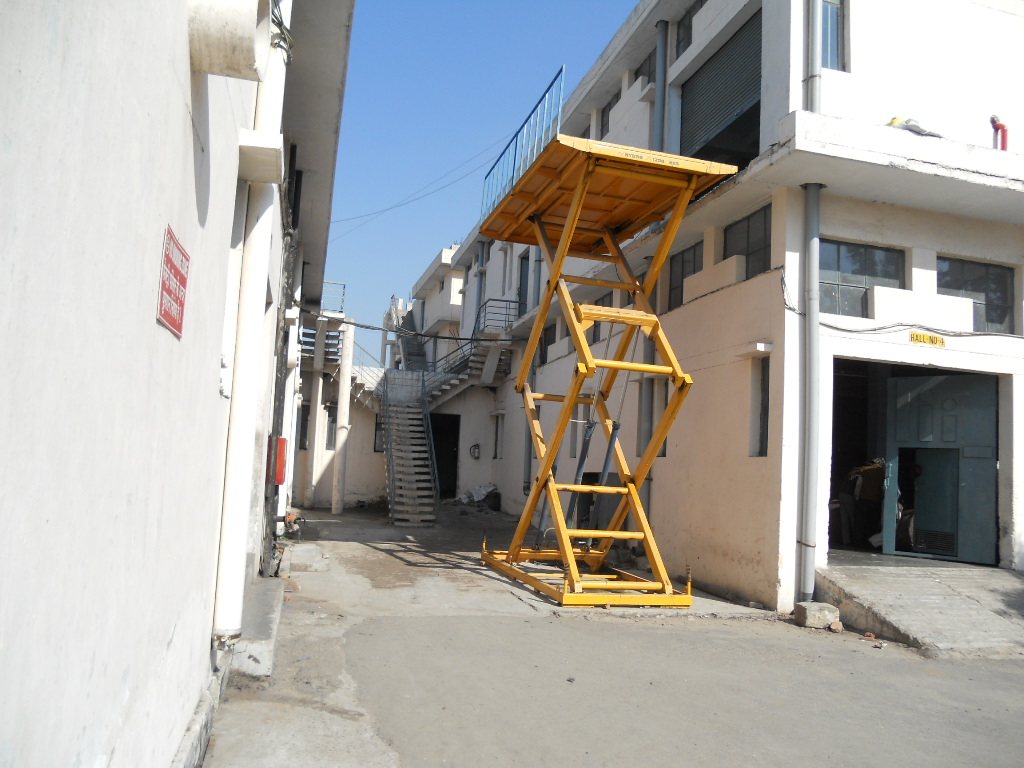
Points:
(389, 452)
(425, 407)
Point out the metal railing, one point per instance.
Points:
(389, 453)
(364, 357)
(494, 316)
(540, 127)
(425, 405)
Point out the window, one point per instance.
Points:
(848, 270)
(751, 237)
(684, 30)
(304, 428)
(989, 286)
(499, 435)
(378, 435)
(332, 427)
(832, 36)
(606, 113)
(647, 68)
(595, 331)
(547, 338)
(687, 262)
(763, 374)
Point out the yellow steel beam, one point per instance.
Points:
(554, 268)
(668, 236)
(548, 460)
(591, 195)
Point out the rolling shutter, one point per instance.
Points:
(724, 88)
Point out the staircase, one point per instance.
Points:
(408, 446)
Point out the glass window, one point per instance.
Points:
(606, 113)
(847, 271)
(832, 37)
(684, 30)
(547, 338)
(594, 333)
(687, 262)
(989, 286)
(332, 427)
(751, 237)
(647, 68)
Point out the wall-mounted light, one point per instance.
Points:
(474, 450)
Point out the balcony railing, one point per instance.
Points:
(542, 125)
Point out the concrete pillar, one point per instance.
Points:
(316, 399)
(343, 422)
(249, 371)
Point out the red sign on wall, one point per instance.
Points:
(173, 279)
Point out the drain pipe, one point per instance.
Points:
(480, 277)
(808, 509)
(814, 56)
(661, 87)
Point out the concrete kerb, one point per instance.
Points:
(196, 739)
(855, 614)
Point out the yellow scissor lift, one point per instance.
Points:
(589, 197)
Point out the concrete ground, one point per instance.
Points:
(396, 648)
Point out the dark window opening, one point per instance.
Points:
(378, 435)
(594, 333)
(547, 338)
(304, 428)
(751, 237)
(684, 32)
(687, 262)
(330, 439)
(989, 286)
(847, 271)
(606, 113)
(647, 68)
(762, 426)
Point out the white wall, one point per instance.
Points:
(113, 474)
(948, 64)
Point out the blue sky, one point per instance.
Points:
(435, 89)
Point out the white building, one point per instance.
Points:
(916, 354)
(168, 174)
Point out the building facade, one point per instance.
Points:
(169, 170)
(853, 293)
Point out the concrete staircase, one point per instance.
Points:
(488, 362)
(413, 498)
(366, 386)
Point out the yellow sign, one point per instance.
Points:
(927, 338)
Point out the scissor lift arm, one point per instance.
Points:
(589, 197)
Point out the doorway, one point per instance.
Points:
(914, 461)
(445, 430)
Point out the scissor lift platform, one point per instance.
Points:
(589, 197)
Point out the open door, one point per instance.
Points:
(942, 463)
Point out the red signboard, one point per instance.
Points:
(173, 279)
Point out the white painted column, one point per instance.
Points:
(316, 406)
(249, 370)
(343, 418)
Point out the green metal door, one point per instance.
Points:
(942, 457)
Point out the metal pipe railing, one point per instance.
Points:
(425, 405)
(538, 129)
